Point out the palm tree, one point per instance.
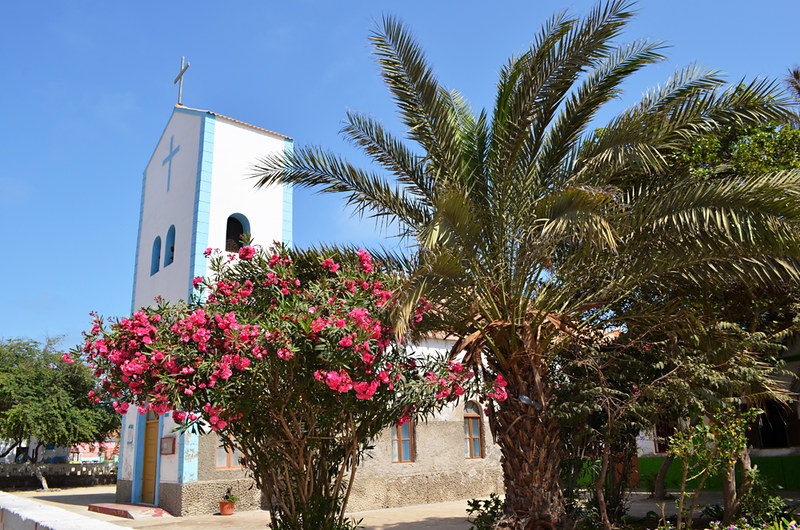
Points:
(793, 82)
(527, 224)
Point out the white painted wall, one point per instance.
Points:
(163, 208)
(17, 513)
(128, 444)
(169, 463)
(237, 148)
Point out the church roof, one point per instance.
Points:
(235, 121)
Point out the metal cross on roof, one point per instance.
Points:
(179, 79)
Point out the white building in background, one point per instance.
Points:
(196, 193)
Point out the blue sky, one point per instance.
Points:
(87, 89)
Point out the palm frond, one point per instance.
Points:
(417, 93)
(367, 192)
(390, 153)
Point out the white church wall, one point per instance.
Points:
(236, 150)
(169, 464)
(163, 208)
(127, 445)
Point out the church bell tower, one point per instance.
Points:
(197, 193)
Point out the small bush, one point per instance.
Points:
(759, 505)
(483, 514)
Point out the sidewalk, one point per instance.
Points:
(444, 516)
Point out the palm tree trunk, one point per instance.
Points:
(531, 454)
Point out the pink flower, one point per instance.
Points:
(346, 342)
(366, 260)
(330, 265)
(207, 252)
(67, 359)
(198, 280)
(365, 390)
(247, 252)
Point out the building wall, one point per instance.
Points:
(440, 470)
(236, 150)
(127, 446)
(162, 208)
(212, 159)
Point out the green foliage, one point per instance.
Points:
(230, 497)
(709, 448)
(531, 228)
(483, 514)
(289, 356)
(743, 151)
(759, 504)
(744, 524)
(46, 398)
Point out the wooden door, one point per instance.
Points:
(150, 460)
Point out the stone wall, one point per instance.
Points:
(440, 471)
(19, 476)
(197, 498)
(203, 497)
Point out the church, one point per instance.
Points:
(196, 194)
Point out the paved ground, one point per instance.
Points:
(444, 516)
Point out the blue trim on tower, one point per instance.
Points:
(202, 199)
(288, 207)
(138, 244)
(138, 459)
(188, 470)
(181, 455)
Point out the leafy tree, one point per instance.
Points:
(528, 225)
(45, 400)
(743, 316)
(291, 358)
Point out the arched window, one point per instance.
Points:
(169, 256)
(238, 225)
(473, 439)
(403, 442)
(156, 257)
